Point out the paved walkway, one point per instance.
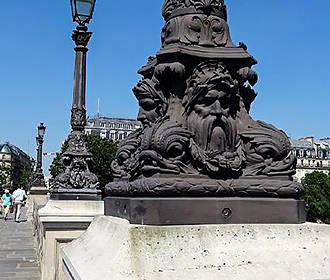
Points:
(18, 258)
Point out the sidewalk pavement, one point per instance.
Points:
(18, 255)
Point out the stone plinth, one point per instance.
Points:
(61, 222)
(112, 248)
(38, 197)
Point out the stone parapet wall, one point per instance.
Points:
(113, 249)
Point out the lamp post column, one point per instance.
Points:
(40, 142)
(76, 181)
(81, 37)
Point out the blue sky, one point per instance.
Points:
(290, 40)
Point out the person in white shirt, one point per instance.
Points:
(19, 196)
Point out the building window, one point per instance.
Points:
(302, 162)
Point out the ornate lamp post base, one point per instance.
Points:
(76, 181)
(37, 184)
(200, 156)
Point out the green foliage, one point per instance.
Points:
(5, 172)
(103, 151)
(25, 177)
(54, 167)
(317, 196)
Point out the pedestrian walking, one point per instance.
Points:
(7, 201)
(19, 196)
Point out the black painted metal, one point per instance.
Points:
(190, 211)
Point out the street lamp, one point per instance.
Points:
(82, 10)
(40, 141)
(75, 180)
(41, 130)
(38, 180)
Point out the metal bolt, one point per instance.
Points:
(226, 213)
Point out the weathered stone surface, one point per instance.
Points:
(18, 250)
(113, 249)
(61, 222)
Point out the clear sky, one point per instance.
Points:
(290, 40)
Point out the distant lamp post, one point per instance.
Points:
(75, 180)
(40, 141)
(38, 180)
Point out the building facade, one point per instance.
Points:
(14, 159)
(116, 129)
(312, 155)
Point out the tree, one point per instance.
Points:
(5, 172)
(25, 177)
(54, 167)
(103, 151)
(317, 196)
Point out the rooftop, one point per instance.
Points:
(8, 148)
(99, 117)
(301, 144)
(309, 142)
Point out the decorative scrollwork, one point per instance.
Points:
(178, 7)
(75, 164)
(78, 118)
(81, 37)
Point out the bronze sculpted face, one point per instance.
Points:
(209, 107)
(151, 101)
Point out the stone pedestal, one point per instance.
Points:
(38, 197)
(112, 248)
(60, 223)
